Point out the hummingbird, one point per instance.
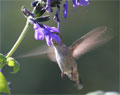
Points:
(66, 56)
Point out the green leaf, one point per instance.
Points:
(4, 88)
(13, 63)
(2, 58)
(16, 67)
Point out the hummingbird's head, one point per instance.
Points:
(54, 42)
(74, 77)
(76, 81)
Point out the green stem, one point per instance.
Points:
(21, 37)
(2, 65)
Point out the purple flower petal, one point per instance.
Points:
(56, 16)
(52, 29)
(84, 2)
(39, 35)
(48, 6)
(65, 9)
(34, 3)
(36, 26)
(74, 3)
(56, 38)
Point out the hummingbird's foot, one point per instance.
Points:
(63, 75)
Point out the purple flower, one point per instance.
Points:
(74, 3)
(84, 2)
(65, 9)
(80, 2)
(33, 4)
(48, 6)
(56, 16)
(46, 32)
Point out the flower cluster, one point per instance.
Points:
(40, 7)
(75, 4)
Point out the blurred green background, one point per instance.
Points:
(99, 69)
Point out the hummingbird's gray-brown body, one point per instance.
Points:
(67, 63)
(65, 56)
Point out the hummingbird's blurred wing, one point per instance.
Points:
(51, 54)
(91, 40)
(40, 51)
